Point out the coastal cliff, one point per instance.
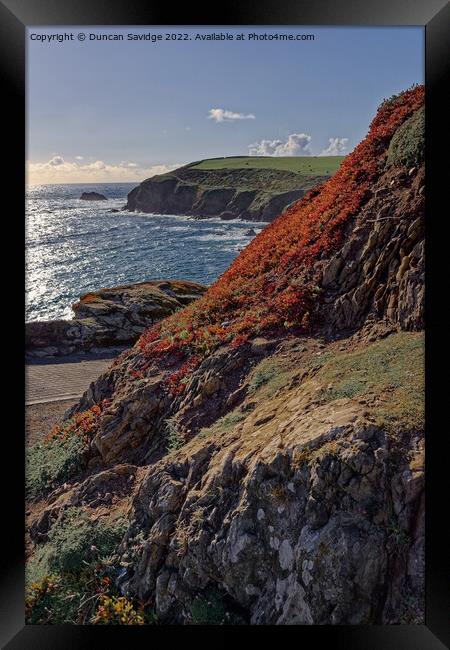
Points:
(246, 192)
(258, 457)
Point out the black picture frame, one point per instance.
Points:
(434, 16)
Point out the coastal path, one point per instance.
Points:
(62, 378)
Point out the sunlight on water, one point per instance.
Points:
(74, 246)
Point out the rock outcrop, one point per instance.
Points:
(93, 196)
(277, 424)
(110, 317)
(248, 194)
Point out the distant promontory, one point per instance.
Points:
(249, 188)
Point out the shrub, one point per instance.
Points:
(117, 610)
(49, 465)
(62, 454)
(73, 543)
(86, 598)
(174, 438)
(68, 574)
(407, 146)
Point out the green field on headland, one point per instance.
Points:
(299, 164)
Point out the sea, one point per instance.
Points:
(75, 246)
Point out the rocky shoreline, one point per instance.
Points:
(109, 318)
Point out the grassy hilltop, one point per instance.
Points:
(305, 165)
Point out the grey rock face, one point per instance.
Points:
(380, 271)
(201, 194)
(110, 317)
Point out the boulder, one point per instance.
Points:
(110, 317)
(93, 196)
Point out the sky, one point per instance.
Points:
(118, 111)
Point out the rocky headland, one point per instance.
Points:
(109, 317)
(250, 194)
(258, 457)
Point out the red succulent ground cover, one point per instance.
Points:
(81, 424)
(272, 286)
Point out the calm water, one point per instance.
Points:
(74, 246)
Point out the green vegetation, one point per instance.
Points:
(391, 371)
(62, 454)
(224, 424)
(268, 180)
(48, 465)
(68, 575)
(73, 542)
(59, 600)
(87, 598)
(210, 609)
(407, 146)
(399, 537)
(174, 438)
(270, 375)
(316, 165)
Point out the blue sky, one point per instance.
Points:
(123, 110)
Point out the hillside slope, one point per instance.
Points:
(252, 189)
(266, 443)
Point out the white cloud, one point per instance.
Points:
(296, 144)
(336, 147)
(56, 161)
(58, 170)
(98, 164)
(79, 157)
(222, 115)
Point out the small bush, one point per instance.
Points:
(86, 598)
(62, 454)
(47, 602)
(407, 146)
(73, 543)
(48, 465)
(174, 438)
(117, 610)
